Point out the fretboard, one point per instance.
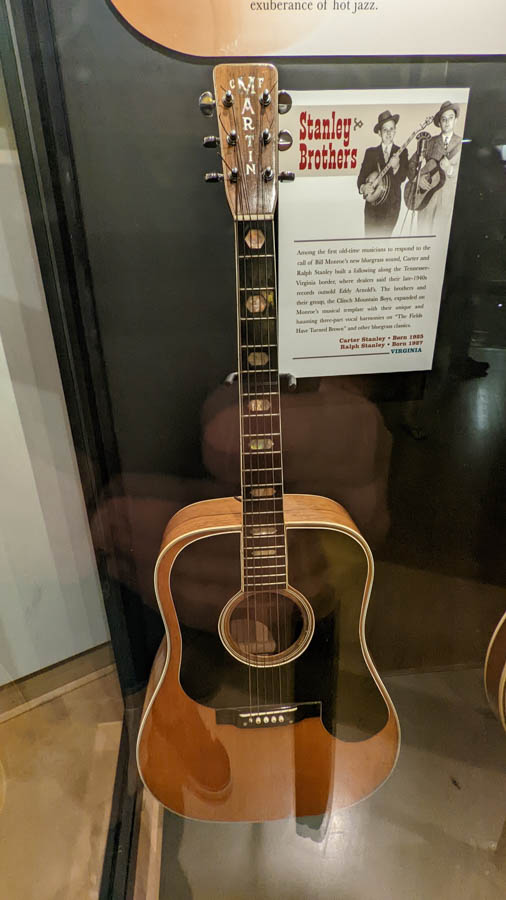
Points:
(264, 543)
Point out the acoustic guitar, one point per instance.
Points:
(263, 701)
(495, 672)
(429, 180)
(378, 183)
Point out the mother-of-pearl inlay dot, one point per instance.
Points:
(260, 404)
(262, 492)
(261, 443)
(258, 358)
(255, 239)
(256, 304)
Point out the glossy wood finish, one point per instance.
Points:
(219, 773)
(251, 196)
(495, 671)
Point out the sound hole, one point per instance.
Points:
(266, 628)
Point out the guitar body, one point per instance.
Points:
(380, 192)
(223, 741)
(418, 193)
(495, 672)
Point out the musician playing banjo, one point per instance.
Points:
(380, 216)
(444, 148)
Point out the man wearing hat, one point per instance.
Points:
(381, 220)
(445, 149)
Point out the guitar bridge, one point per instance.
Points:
(272, 716)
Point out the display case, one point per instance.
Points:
(299, 628)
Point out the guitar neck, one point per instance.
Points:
(264, 543)
(397, 153)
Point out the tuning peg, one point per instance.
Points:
(232, 138)
(286, 176)
(284, 102)
(207, 103)
(211, 142)
(266, 137)
(268, 174)
(265, 99)
(234, 175)
(227, 99)
(285, 140)
(213, 176)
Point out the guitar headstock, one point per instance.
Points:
(246, 106)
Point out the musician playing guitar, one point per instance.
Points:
(444, 151)
(380, 219)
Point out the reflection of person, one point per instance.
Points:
(444, 148)
(382, 219)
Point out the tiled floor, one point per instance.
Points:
(59, 761)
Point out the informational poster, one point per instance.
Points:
(364, 227)
(238, 28)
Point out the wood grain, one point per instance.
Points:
(216, 772)
(495, 672)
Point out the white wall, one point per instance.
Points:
(50, 601)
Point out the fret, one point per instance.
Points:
(258, 370)
(258, 288)
(254, 346)
(264, 469)
(258, 318)
(260, 393)
(261, 414)
(261, 434)
(249, 566)
(263, 512)
(260, 452)
(265, 484)
(256, 256)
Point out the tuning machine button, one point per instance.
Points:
(227, 99)
(213, 176)
(286, 176)
(284, 102)
(268, 174)
(266, 99)
(207, 103)
(285, 140)
(232, 138)
(211, 142)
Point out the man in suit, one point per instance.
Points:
(445, 149)
(381, 220)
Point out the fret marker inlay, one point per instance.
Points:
(255, 239)
(260, 404)
(258, 358)
(261, 443)
(257, 303)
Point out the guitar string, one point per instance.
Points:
(249, 583)
(285, 636)
(269, 245)
(241, 307)
(260, 339)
